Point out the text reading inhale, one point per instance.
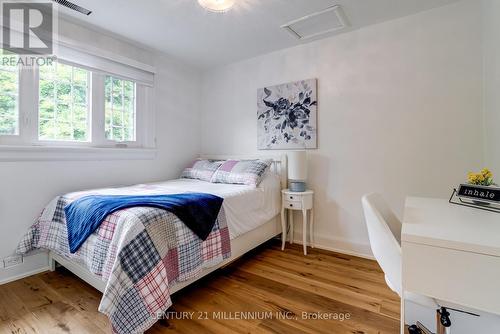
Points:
(478, 192)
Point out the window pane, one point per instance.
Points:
(63, 104)
(47, 90)
(80, 94)
(64, 131)
(47, 128)
(80, 113)
(9, 117)
(64, 72)
(80, 130)
(46, 109)
(80, 76)
(119, 109)
(63, 113)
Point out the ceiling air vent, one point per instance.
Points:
(73, 6)
(316, 24)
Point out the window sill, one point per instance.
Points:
(62, 153)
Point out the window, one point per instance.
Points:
(9, 112)
(119, 109)
(63, 111)
(75, 101)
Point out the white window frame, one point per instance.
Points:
(27, 146)
(25, 110)
(136, 111)
(90, 112)
(143, 115)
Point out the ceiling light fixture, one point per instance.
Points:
(217, 6)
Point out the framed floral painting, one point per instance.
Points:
(287, 116)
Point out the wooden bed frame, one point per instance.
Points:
(239, 245)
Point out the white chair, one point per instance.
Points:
(384, 231)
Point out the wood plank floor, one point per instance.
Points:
(272, 286)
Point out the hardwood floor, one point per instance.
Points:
(272, 286)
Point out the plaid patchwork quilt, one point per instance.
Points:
(140, 252)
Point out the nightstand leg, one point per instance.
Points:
(304, 230)
(283, 228)
(311, 234)
(290, 222)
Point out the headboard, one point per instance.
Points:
(278, 166)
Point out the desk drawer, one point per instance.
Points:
(292, 204)
(463, 278)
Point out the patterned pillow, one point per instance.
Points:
(201, 169)
(249, 172)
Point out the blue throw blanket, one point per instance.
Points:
(197, 210)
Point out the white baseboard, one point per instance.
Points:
(339, 245)
(33, 264)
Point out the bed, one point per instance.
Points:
(248, 218)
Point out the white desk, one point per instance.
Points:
(451, 253)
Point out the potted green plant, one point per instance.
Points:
(483, 178)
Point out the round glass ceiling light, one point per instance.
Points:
(217, 6)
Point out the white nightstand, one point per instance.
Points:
(302, 201)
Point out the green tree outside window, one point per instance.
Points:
(9, 90)
(119, 109)
(64, 103)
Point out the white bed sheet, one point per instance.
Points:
(246, 207)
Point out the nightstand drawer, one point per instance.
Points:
(292, 204)
(293, 198)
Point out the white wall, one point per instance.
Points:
(27, 186)
(491, 26)
(399, 113)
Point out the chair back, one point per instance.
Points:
(384, 231)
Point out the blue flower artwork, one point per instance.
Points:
(286, 116)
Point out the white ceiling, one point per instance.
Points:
(186, 31)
